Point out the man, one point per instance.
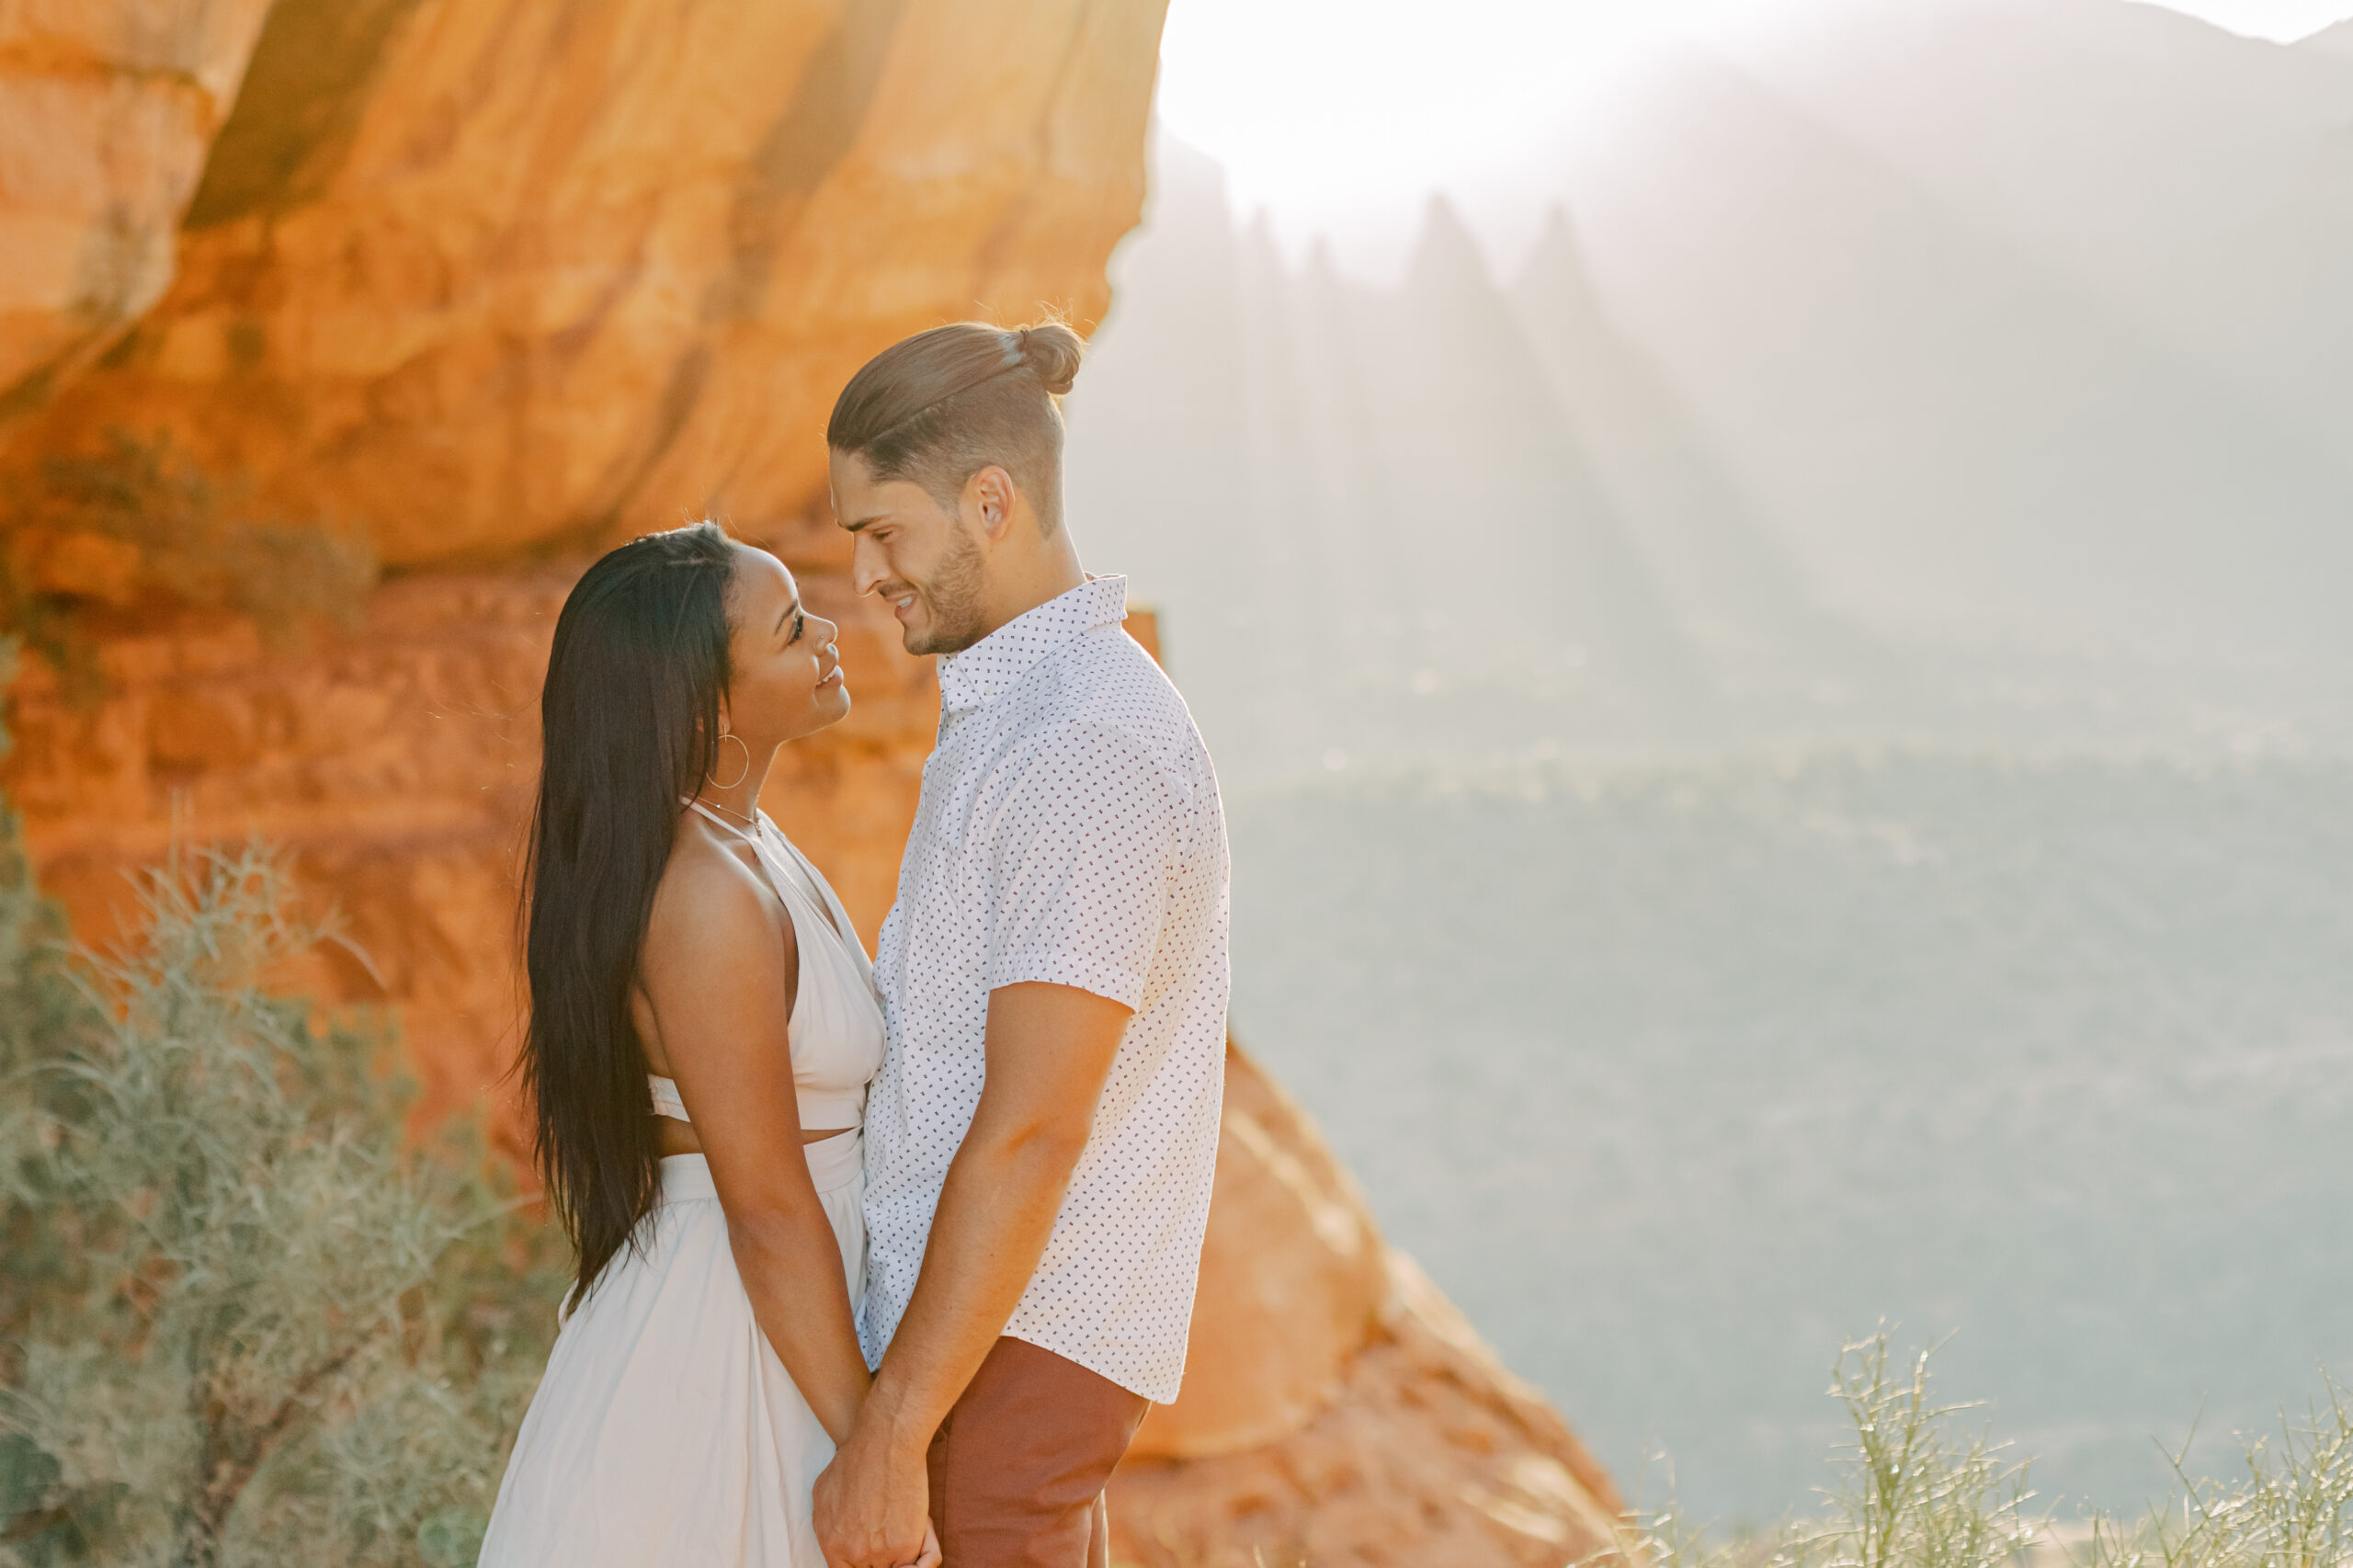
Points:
(1042, 1136)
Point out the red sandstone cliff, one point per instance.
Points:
(489, 285)
(108, 113)
(476, 277)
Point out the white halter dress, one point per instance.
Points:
(665, 1433)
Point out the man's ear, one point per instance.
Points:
(990, 496)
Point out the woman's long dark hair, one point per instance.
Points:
(629, 725)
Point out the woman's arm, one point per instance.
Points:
(717, 956)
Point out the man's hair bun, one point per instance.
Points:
(940, 405)
(1052, 351)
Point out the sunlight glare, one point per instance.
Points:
(1340, 117)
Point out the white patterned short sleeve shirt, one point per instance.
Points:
(1069, 833)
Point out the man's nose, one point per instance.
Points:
(866, 563)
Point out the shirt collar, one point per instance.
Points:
(991, 666)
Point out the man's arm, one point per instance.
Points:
(1050, 1049)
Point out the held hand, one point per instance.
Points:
(931, 1557)
(872, 1506)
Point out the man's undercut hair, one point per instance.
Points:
(939, 407)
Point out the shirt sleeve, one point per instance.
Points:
(1079, 864)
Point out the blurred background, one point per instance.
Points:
(1769, 584)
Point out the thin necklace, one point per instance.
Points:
(752, 823)
(800, 878)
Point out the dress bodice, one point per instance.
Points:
(835, 1025)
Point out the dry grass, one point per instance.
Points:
(1919, 1488)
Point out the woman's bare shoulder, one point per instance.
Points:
(710, 906)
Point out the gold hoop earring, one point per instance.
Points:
(723, 739)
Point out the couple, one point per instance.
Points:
(936, 1329)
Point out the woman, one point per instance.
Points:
(699, 1006)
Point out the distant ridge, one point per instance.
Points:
(2336, 40)
(2020, 309)
(1860, 358)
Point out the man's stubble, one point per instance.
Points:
(953, 597)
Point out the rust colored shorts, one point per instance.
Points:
(1017, 1469)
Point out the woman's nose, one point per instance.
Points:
(826, 630)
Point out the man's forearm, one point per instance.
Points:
(1049, 1050)
(996, 1212)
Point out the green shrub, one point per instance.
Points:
(243, 1323)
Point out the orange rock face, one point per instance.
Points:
(107, 113)
(493, 284)
(473, 277)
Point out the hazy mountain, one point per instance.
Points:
(2024, 311)
(1501, 481)
(1364, 510)
(1972, 366)
(1729, 579)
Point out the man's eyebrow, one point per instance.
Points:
(790, 609)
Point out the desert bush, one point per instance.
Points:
(245, 1322)
(44, 1014)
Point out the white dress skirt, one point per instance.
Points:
(666, 1432)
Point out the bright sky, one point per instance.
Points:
(1341, 116)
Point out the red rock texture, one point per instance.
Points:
(470, 276)
(108, 112)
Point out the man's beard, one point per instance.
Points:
(953, 598)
